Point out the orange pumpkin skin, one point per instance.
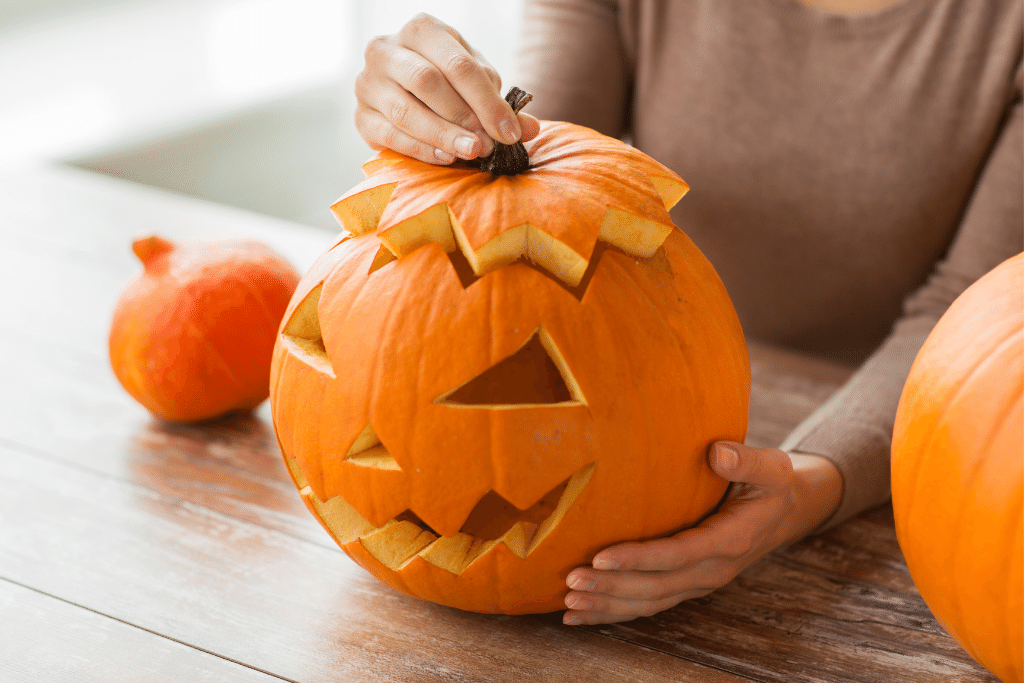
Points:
(957, 458)
(650, 347)
(192, 337)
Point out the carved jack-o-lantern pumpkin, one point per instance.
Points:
(490, 378)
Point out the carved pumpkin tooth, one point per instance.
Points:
(341, 519)
(577, 483)
(671, 190)
(383, 257)
(396, 543)
(519, 536)
(635, 235)
(456, 553)
(297, 475)
(359, 210)
(432, 225)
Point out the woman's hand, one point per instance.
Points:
(425, 93)
(777, 499)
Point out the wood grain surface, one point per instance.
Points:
(136, 550)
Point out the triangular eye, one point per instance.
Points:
(534, 375)
(301, 333)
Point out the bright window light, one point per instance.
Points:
(269, 46)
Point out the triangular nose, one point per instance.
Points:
(368, 451)
(534, 375)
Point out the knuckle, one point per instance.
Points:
(493, 76)
(650, 609)
(399, 113)
(363, 118)
(389, 137)
(662, 591)
(420, 23)
(362, 85)
(424, 78)
(786, 471)
(739, 546)
(599, 603)
(460, 66)
(375, 47)
(465, 118)
(701, 593)
(359, 119)
(721, 576)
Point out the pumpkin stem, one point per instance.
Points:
(509, 159)
(148, 248)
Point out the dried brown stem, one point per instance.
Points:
(509, 159)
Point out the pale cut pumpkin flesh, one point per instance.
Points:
(399, 540)
(502, 232)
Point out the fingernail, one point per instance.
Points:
(509, 131)
(464, 146)
(579, 583)
(605, 563)
(578, 602)
(571, 620)
(728, 458)
(487, 144)
(443, 156)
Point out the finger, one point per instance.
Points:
(767, 468)
(661, 554)
(597, 608)
(425, 82)
(641, 585)
(576, 618)
(409, 115)
(379, 133)
(488, 69)
(530, 127)
(732, 534)
(473, 79)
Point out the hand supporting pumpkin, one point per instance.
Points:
(426, 93)
(777, 499)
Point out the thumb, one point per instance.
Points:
(767, 468)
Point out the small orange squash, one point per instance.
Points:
(192, 337)
(958, 470)
(491, 377)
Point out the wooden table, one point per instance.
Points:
(140, 551)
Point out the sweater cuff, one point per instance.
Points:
(853, 429)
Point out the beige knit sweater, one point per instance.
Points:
(850, 175)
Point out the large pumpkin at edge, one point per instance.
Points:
(958, 470)
(490, 378)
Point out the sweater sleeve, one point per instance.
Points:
(573, 61)
(854, 427)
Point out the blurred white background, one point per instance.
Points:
(244, 102)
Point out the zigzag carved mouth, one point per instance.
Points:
(493, 521)
(467, 276)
